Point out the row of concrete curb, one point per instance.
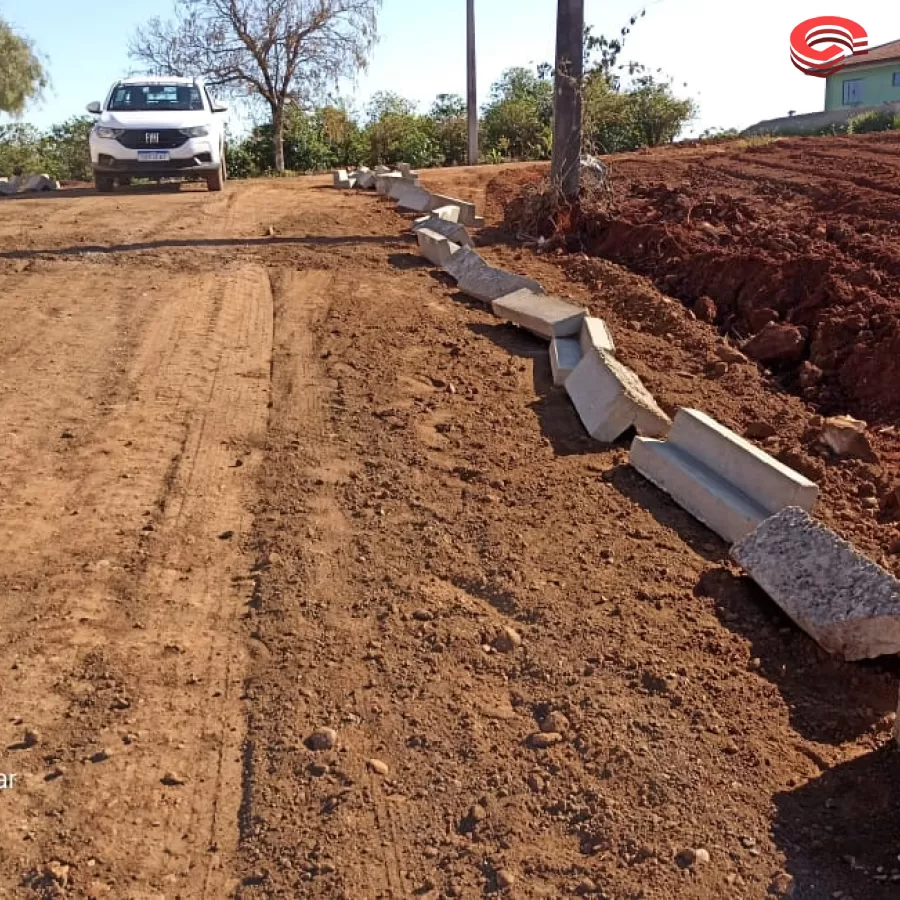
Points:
(402, 184)
(721, 479)
(848, 604)
(27, 184)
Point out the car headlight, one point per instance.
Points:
(103, 132)
(198, 131)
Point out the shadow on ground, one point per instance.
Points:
(829, 701)
(558, 420)
(407, 261)
(80, 192)
(840, 832)
(204, 244)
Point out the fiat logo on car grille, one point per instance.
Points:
(151, 137)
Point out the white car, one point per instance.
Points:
(158, 128)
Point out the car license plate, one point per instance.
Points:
(153, 156)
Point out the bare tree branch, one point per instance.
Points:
(276, 51)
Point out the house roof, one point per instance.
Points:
(883, 53)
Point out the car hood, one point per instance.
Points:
(155, 119)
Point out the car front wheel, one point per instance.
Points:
(215, 181)
(104, 183)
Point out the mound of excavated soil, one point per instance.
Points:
(794, 244)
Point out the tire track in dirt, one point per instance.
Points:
(149, 677)
(348, 806)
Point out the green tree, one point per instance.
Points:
(304, 147)
(20, 148)
(22, 76)
(342, 135)
(518, 119)
(241, 161)
(657, 115)
(607, 126)
(397, 133)
(65, 151)
(624, 105)
(450, 127)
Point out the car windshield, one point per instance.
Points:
(149, 97)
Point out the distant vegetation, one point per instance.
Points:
(626, 107)
(874, 120)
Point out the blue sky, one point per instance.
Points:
(733, 57)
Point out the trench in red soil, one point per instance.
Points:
(749, 238)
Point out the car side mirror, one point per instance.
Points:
(94, 108)
(220, 107)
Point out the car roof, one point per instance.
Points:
(159, 79)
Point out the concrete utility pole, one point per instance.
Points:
(472, 89)
(566, 166)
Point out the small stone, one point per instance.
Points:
(894, 545)
(783, 885)
(322, 739)
(759, 431)
(422, 615)
(508, 641)
(757, 319)
(777, 343)
(847, 437)
(226, 535)
(890, 502)
(586, 887)
(555, 722)
(173, 779)
(541, 740)
(809, 375)
(59, 872)
(505, 879)
(730, 355)
(705, 310)
(101, 755)
(477, 813)
(718, 369)
(689, 858)
(378, 767)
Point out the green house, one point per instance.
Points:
(865, 81)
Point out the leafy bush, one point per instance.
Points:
(65, 151)
(395, 132)
(450, 129)
(20, 149)
(518, 120)
(876, 120)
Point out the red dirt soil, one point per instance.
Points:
(803, 232)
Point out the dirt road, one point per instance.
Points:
(263, 471)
